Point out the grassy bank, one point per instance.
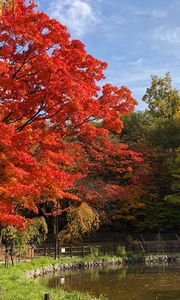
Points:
(15, 285)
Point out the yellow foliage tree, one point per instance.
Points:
(81, 220)
(7, 4)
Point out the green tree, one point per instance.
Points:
(162, 99)
(156, 133)
(163, 106)
(16, 241)
(175, 186)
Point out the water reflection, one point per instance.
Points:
(140, 282)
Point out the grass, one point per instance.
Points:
(15, 285)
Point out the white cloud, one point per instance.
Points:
(168, 40)
(137, 61)
(155, 13)
(158, 13)
(112, 26)
(77, 15)
(170, 36)
(135, 76)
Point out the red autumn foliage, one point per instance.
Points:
(111, 183)
(49, 93)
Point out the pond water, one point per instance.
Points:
(137, 282)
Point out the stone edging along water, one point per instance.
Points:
(156, 259)
(74, 266)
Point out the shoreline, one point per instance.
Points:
(101, 261)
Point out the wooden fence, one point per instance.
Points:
(81, 250)
(71, 250)
(170, 246)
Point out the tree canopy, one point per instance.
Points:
(50, 97)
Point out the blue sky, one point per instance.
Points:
(137, 38)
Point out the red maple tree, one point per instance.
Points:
(49, 93)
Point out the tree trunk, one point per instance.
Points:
(6, 256)
(11, 254)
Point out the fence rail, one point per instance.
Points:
(108, 248)
(170, 246)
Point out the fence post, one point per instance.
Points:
(70, 250)
(104, 250)
(146, 248)
(82, 250)
(58, 249)
(47, 297)
(49, 250)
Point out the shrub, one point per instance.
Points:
(94, 251)
(130, 254)
(121, 251)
